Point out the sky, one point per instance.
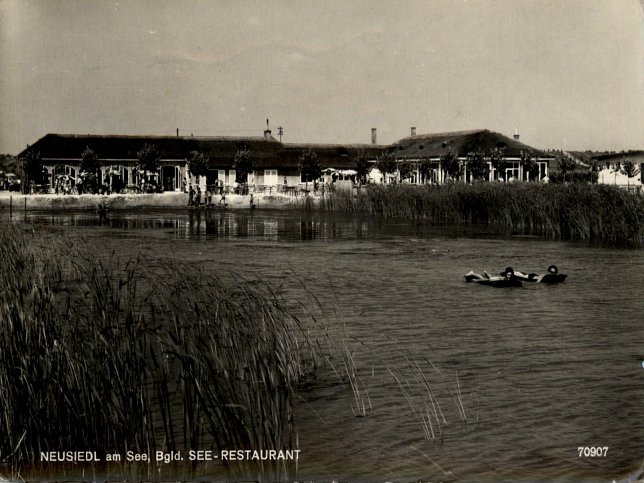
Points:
(568, 74)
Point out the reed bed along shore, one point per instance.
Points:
(113, 355)
(115, 359)
(571, 211)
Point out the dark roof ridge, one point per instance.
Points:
(157, 136)
(335, 145)
(632, 152)
(447, 133)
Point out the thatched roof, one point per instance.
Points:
(460, 143)
(618, 155)
(270, 153)
(70, 146)
(265, 153)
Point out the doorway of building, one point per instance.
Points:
(168, 178)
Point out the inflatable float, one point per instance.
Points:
(552, 276)
(506, 279)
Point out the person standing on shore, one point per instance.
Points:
(208, 199)
(191, 196)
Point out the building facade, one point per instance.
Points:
(612, 168)
(275, 164)
(433, 148)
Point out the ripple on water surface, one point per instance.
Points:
(541, 369)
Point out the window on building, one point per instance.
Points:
(270, 177)
(512, 171)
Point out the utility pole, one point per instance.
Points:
(280, 131)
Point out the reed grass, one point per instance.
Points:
(348, 373)
(424, 388)
(568, 211)
(110, 355)
(422, 400)
(103, 357)
(341, 359)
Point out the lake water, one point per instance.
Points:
(520, 377)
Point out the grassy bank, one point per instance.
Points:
(574, 211)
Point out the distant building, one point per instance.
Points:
(431, 147)
(274, 163)
(610, 168)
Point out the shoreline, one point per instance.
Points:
(570, 212)
(171, 200)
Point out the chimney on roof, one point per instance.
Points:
(267, 131)
(516, 134)
(177, 132)
(413, 131)
(373, 136)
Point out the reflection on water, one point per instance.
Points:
(542, 369)
(275, 225)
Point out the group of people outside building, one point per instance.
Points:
(195, 196)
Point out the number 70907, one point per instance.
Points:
(592, 451)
